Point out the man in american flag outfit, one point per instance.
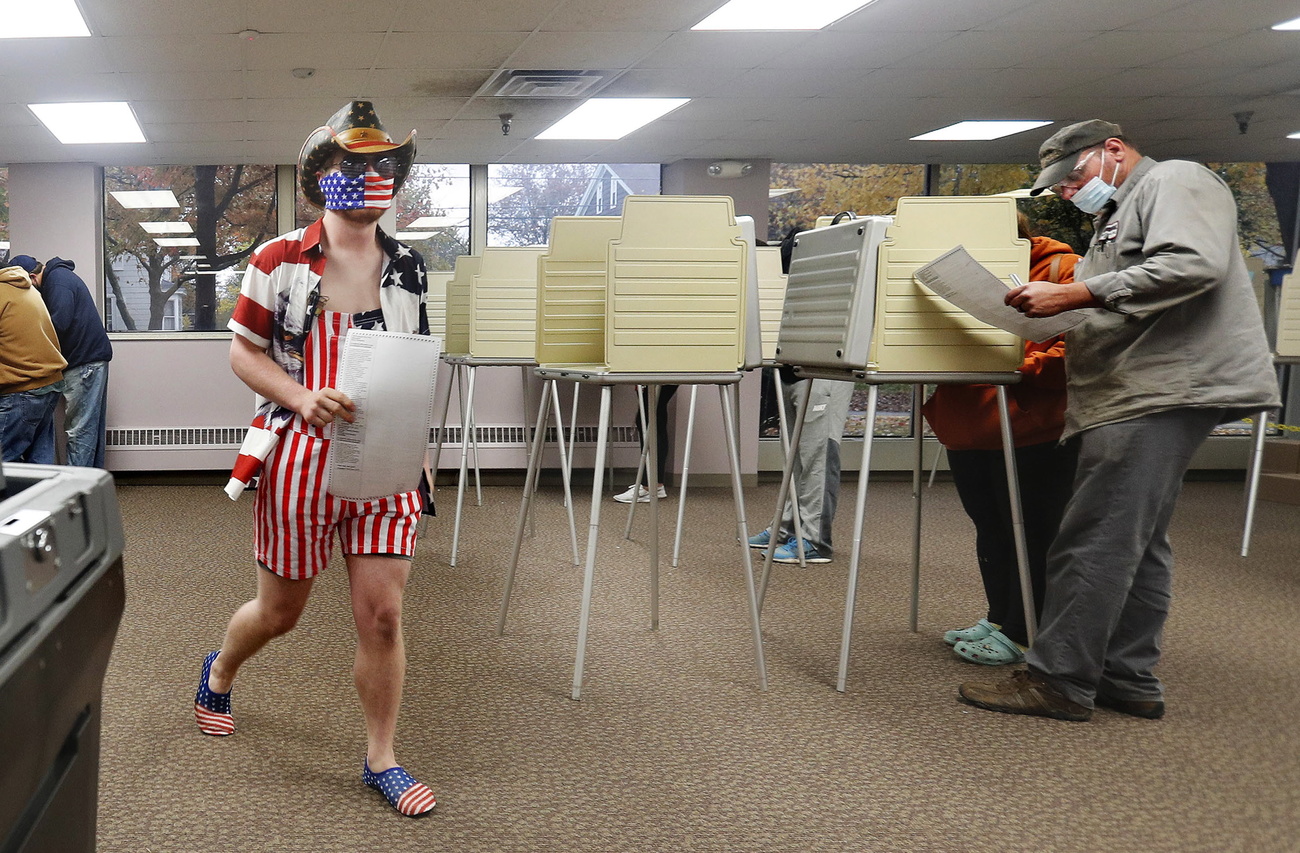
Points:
(301, 294)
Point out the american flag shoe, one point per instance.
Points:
(403, 793)
(212, 710)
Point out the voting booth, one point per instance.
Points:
(853, 304)
(503, 304)
(61, 600)
(436, 304)
(455, 339)
(681, 306)
(572, 290)
(771, 297)
(1288, 317)
(854, 311)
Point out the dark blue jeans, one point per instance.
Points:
(27, 425)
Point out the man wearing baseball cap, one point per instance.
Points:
(1172, 345)
(301, 294)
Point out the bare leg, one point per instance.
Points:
(377, 584)
(273, 612)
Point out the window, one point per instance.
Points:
(522, 198)
(801, 192)
(433, 213)
(1048, 216)
(174, 264)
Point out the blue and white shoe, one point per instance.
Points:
(789, 553)
(212, 710)
(403, 793)
(761, 540)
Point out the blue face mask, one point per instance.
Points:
(1093, 195)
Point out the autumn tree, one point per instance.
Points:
(828, 188)
(231, 210)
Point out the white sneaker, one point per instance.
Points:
(641, 497)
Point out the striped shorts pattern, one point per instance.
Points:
(295, 518)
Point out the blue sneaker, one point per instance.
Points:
(789, 553)
(761, 540)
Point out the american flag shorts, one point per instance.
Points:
(295, 518)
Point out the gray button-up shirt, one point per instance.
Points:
(1181, 327)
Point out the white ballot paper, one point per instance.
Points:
(390, 377)
(960, 279)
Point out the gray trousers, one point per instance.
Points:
(1110, 570)
(816, 470)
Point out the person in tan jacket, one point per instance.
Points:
(31, 369)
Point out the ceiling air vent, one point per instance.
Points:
(511, 83)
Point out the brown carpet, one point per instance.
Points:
(673, 747)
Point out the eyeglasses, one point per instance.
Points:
(1075, 175)
(356, 165)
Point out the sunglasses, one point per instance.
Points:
(356, 165)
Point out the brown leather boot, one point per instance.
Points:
(1023, 693)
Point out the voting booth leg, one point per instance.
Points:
(473, 439)
(686, 472)
(593, 531)
(730, 417)
(641, 464)
(1252, 479)
(534, 463)
(565, 469)
(917, 445)
(786, 473)
(523, 395)
(573, 429)
(934, 466)
(441, 434)
(859, 513)
(1017, 517)
(784, 430)
(652, 449)
(467, 431)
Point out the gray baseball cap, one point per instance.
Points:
(1056, 155)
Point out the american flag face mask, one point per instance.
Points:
(353, 193)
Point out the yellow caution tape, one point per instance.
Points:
(1268, 426)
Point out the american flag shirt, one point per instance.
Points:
(278, 303)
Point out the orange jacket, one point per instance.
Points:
(965, 417)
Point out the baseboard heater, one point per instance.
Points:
(162, 438)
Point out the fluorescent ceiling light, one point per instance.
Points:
(190, 257)
(168, 242)
(779, 15)
(982, 130)
(777, 192)
(138, 199)
(610, 118)
(414, 235)
(47, 19)
(1293, 24)
(167, 227)
(1293, 135)
(80, 124)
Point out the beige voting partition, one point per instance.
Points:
(436, 305)
(571, 290)
(503, 304)
(1288, 318)
(771, 296)
(677, 278)
(456, 339)
(919, 332)
(830, 296)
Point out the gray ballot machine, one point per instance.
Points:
(61, 599)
